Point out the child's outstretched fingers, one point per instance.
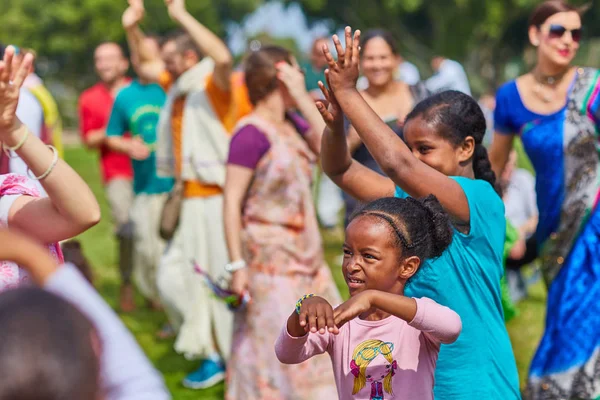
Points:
(341, 52)
(349, 46)
(330, 61)
(325, 114)
(356, 47)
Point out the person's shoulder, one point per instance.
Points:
(478, 189)
(91, 92)
(247, 135)
(507, 89)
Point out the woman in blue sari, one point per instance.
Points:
(554, 110)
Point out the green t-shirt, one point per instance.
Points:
(136, 110)
(510, 309)
(312, 77)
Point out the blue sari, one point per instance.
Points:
(563, 148)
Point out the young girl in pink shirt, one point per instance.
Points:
(382, 344)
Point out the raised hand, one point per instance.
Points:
(352, 308)
(134, 14)
(330, 110)
(9, 90)
(176, 8)
(344, 73)
(292, 78)
(316, 315)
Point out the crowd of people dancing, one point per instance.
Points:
(209, 172)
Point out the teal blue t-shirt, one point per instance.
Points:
(136, 110)
(466, 278)
(312, 77)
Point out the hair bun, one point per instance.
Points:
(440, 230)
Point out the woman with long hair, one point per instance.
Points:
(554, 110)
(272, 231)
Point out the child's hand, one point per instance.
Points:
(343, 73)
(316, 314)
(352, 308)
(330, 110)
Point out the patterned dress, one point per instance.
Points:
(283, 248)
(11, 187)
(564, 150)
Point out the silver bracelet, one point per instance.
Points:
(50, 168)
(235, 266)
(7, 149)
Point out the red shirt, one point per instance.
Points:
(95, 106)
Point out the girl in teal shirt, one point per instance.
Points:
(444, 156)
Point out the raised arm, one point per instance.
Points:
(209, 44)
(391, 153)
(147, 64)
(71, 207)
(352, 177)
(499, 152)
(293, 79)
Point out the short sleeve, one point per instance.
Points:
(86, 121)
(399, 193)
(301, 125)
(505, 98)
(486, 210)
(221, 100)
(6, 203)
(247, 147)
(117, 123)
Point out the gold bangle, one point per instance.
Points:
(7, 149)
(50, 168)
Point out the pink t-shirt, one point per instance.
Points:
(380, 360)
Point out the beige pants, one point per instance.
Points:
(204, 324)
(148, 246)
(119, 193)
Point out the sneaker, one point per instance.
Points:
(209, 374)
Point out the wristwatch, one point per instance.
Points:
(235, 266)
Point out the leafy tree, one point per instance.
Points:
(67, 31)
(485, 35)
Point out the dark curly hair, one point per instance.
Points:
(455, 116)
(421, 227)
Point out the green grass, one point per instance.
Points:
(100, 248)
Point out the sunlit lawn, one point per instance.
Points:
(100, 249)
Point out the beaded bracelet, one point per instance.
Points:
(50, 168)
(299, 302)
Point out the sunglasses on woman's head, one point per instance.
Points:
(558, 31)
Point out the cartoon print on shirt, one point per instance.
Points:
(379, 374)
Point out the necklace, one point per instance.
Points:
(545, 83)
